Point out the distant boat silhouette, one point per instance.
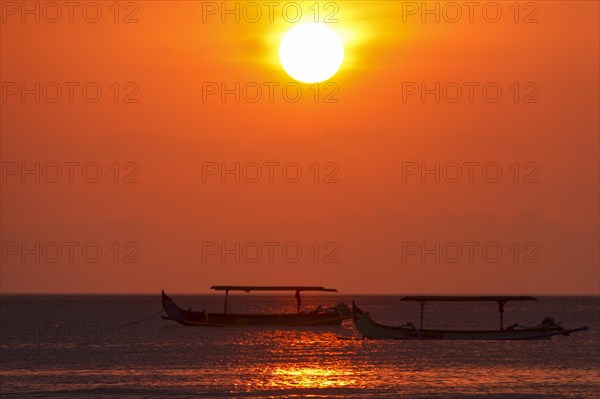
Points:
(373, 330)
(330, 316)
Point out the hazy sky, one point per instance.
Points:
(457, 155)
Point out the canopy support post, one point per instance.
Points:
(226, 295)
(422, 303)
(501, 310)
(298, 300)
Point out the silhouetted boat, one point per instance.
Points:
(331, 316)
(373, 330)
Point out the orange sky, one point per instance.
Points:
(370, 219)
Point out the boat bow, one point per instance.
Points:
(173, 311)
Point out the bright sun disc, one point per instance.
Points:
(311, 52)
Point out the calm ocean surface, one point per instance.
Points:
(79, 346)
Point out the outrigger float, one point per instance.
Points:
(330, 316)
(373, 330)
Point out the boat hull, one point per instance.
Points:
(195, 318)
(373, 330)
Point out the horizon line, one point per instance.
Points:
(306, 294)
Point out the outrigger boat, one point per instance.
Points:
(373, 330)
(331, 316)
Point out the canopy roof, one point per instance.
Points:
(249, 288)
(468, 298)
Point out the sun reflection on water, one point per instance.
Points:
(311, 377)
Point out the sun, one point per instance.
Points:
(311, 52)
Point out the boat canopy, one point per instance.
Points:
(451, 298)
(249, 288)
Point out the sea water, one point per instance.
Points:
(101, 346)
